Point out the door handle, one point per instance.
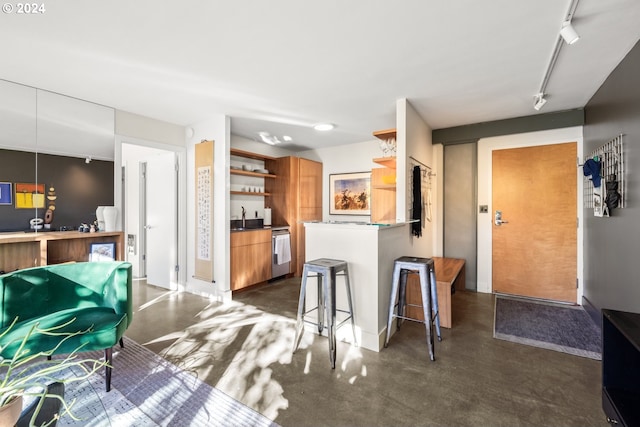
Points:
(498, 219)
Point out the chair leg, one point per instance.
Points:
(121, 343)
(301, 310)
(434, 300)
(392, 302)
(426, 305)
(402, 299)
(330, 295)
(108, 357)
(322, 296)
(349, 299)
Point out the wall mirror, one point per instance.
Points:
(57, 155)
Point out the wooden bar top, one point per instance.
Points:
(13, 237)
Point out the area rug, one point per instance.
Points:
(558, 327)
(149, 391)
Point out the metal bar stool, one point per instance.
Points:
(326, 271)
(424, 267)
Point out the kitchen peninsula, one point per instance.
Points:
(370, 251)
(23, 250)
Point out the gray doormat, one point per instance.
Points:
(559, 327)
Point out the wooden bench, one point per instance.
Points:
(450, 276)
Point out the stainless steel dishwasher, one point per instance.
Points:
(280, 237)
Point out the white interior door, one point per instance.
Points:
(161, 220)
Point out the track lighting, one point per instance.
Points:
(539, 101)
(568, 33)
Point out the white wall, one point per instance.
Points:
(414, 139)
(216, 128)
(485, 149)
(343, 159)
(149, 129)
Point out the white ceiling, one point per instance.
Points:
(283, 65)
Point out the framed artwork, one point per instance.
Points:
(29, 196)
(102, 252)
(6, 196)
(350, 193)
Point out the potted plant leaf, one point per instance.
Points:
(29, 374)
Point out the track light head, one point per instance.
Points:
(568, 33)
(539, 101)
(87, 160)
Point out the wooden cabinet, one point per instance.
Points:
(24, 250)
(250, 258)
(295, 196)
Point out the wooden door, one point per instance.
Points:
(535, 251)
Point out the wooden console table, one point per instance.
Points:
(450, 276)
(24, 250)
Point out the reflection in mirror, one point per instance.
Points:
(17, 116)
(45, 141)
(18, 131)
(73, 127)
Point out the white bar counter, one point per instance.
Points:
(369, 250)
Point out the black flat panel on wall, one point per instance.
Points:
(79, 187)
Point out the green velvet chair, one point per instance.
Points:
(93, 298)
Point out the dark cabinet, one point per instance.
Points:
(621, 367)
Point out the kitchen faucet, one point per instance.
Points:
(243, 217)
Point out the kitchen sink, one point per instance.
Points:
(249, 224)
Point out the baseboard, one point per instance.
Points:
(592, 311)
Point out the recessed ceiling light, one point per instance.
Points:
(287, 138)
(323, 126)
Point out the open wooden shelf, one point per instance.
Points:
(250, 173)
(247, 154)
(387, 162)
(385, 134)
(383, 186)
(249, 193)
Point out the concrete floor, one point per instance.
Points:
(243, 348)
